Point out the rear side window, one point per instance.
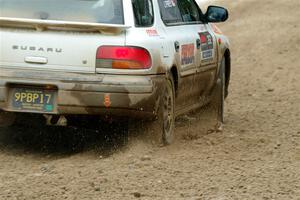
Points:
(169, 11)
(95, 11)
(189, 11)
(143, 12)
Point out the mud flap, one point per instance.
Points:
(118, 132)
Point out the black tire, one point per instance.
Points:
(219, 93)
(164, 133)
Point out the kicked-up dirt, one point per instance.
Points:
(256, 156)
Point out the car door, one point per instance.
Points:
(195, 23)
(208, 59)
(183, 45)
(208, 62)
(206, 53)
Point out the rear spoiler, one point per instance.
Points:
(41, 25)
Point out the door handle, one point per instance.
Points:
(198, 43)
(177, 46)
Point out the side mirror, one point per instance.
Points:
(216, 14)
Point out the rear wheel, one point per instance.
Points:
(219, 94)
(164, 133)
(168, 113)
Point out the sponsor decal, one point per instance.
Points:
(206, 41)
(187, 54)
(207, 54)
(169, 3)
(152, 32)
(207, 45)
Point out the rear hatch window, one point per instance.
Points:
(91, 11)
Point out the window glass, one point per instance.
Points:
(98, 11)
(143, 12)
(189, 11)
(169, 11)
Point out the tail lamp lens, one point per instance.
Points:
(121, 57)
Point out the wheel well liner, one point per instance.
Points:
(174, 73)
(227, 67)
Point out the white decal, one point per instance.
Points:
(169, 3)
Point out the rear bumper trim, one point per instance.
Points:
(127, 94)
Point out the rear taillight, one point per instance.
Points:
(122, 57)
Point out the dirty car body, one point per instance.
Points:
(112, 57)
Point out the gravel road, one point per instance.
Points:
(256, 156)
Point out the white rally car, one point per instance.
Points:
(121, 58)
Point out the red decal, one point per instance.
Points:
(107, 102)
(187, 54)
(152, 32)
(203, 38)
(220, 41)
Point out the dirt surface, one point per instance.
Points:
(257, 156)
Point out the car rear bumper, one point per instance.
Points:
(92, 94)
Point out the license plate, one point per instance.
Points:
(31, 99)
